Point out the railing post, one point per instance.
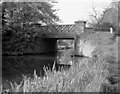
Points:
(79, 28)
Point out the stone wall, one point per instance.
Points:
(100, 43)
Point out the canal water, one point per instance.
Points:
(13, 67)
(18, 65)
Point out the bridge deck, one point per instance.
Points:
(61, 36)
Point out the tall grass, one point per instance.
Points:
(87, 75)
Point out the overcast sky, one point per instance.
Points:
(73, 10)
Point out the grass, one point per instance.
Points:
(88, 75)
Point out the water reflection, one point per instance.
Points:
(18, 65)
(15, 66)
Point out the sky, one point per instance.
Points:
(70, 11)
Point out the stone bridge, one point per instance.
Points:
(51, 33)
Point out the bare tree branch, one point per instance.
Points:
(97, 17)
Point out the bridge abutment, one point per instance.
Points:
(79, 28)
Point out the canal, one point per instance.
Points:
(13, 67)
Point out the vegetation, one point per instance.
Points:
(107, 18)
(95, 74)
(19, 21)
(26, 13)
(81, 77)
(88, 75)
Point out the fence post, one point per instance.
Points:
(111, 30)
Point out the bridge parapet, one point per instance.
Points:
(56, 29)
(61, 31)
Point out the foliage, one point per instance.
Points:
(25, 13)
(108, 25)
(108, 17)
(20, 21)
(111, 16)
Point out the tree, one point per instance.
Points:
(18, 19)
(111, 16)
(97, 17)
(108, 25)
(25, 13)
(108, 17)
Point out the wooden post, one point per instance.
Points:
(79, 28)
